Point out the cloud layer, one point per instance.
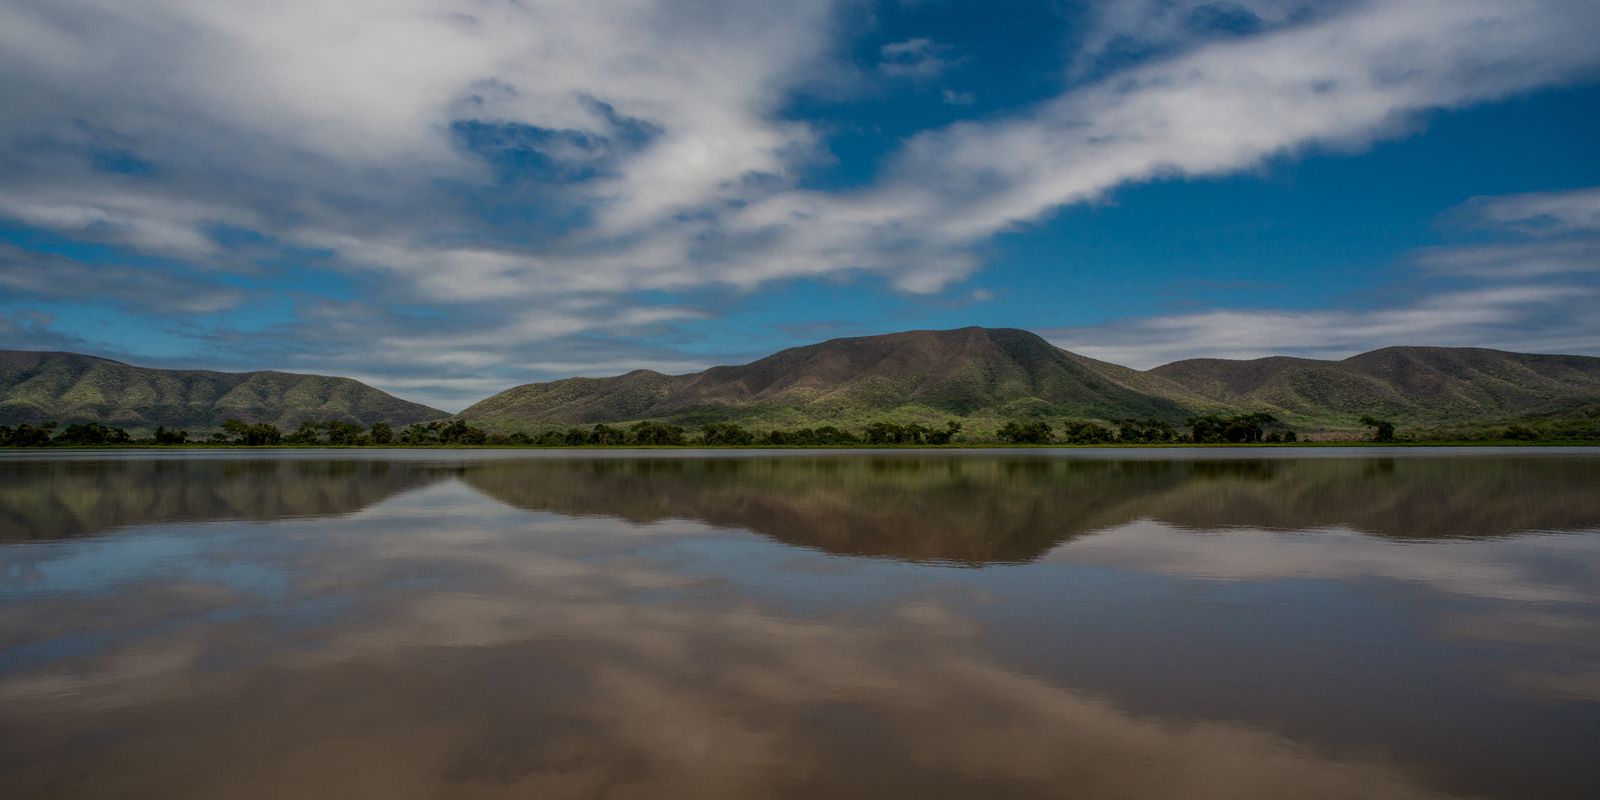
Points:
(497, 184)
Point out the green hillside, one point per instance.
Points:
(987, 375)
(68, 387)
(1427, 387)
(973, 373)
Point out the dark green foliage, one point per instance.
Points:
(26, 435)
(255, 435)
(381, 433)
(725, 433)
(1281, 437)
(1083, 432)
(1241, 429)
(1035, 432)
(1145, 431)
(307, 433)
(91, 433)
(946, 436)
(812, 437)
(168, 436)
(1382, 429)
(895, 433)
(655, 433)
(454, 432)
(1520, 433)
(605, 435)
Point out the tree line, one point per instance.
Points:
(1252, 428)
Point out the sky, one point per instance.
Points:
(447, 198)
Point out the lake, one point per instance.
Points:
(1272, 623)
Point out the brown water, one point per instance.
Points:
(1086, 624)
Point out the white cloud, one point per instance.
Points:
(1519, 260)
(1541, 319)
(955, 98)
(918, 58)
(1537, 213)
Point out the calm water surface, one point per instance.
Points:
(1087, 624)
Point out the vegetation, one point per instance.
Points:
(1254, 428)
(1034, 432)
(1382, 429)
(1240, 429)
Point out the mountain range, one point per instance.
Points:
(983, 376)
(988, 375)
(67, 387)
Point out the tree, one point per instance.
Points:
(91, 433)
(1146, 431)
(1382, 429)
(1084, 432)
(381, 433)
(458, 432)
(655, 433)
(725, 433)
(344, 433)
(607, 435)
(167, 436)
(307, 433)
(951, 428)
(1520, 433)
(1036, 432)
(1241, 429)
(255, 435)
(26, 435)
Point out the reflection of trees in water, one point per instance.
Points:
(968, 510)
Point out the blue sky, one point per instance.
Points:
(450, 197)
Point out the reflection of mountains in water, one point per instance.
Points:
(927, 508)
(48, 499)
(976, 511)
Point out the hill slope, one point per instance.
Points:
(1413, 385)
(971, 372)
(992, 374)
(68, 387)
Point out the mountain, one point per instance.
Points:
(68, 387)
(987, 375)
(1428, 386)
(981, 375)
(971, 372)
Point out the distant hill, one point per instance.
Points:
(983, 376)
(987, 374)
(1429, 386)
(971, 372)
(68, 387)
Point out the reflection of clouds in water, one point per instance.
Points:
(1498, 569)
(540, 672)
(1542, 585)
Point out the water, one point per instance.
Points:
(1182, 623)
